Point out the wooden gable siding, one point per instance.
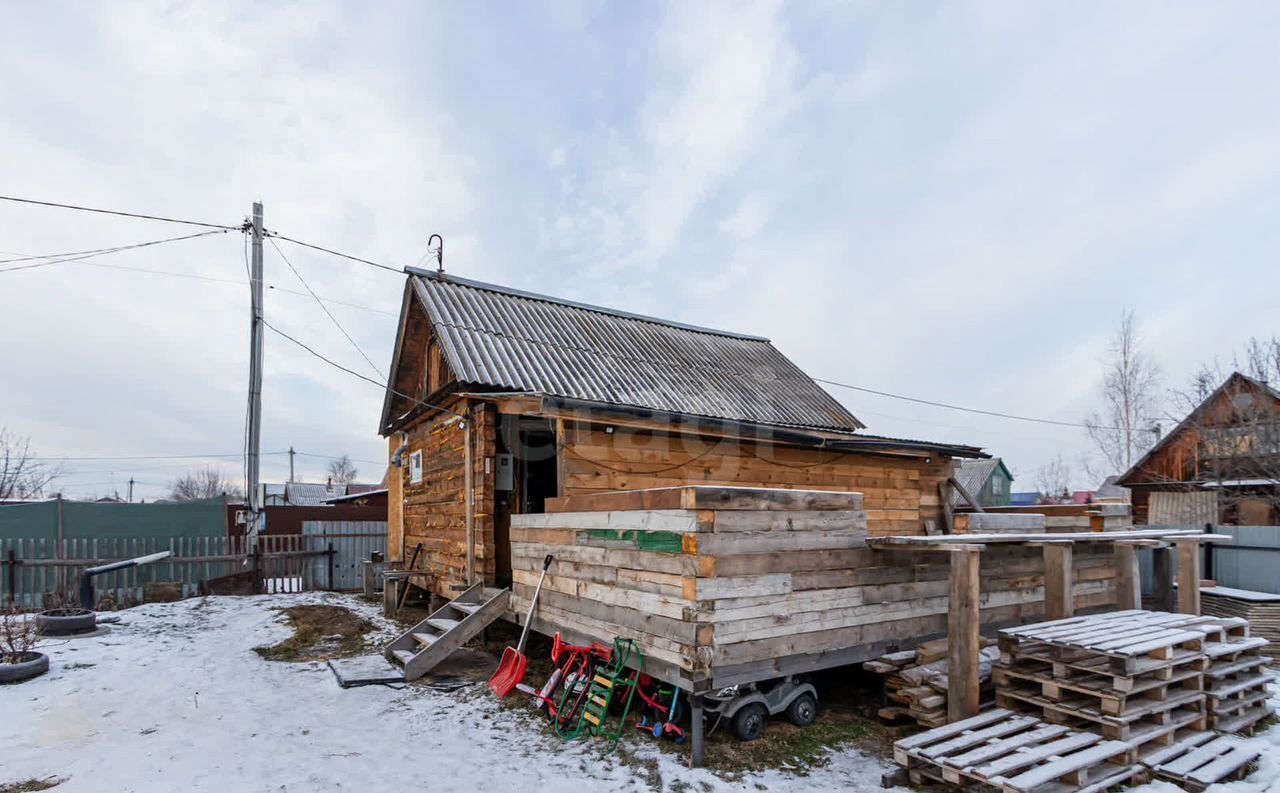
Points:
(434, 512)
(422, 370)
(1182, 457)
(900, 492)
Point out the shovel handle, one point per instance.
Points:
(546, 563)
(524, 634)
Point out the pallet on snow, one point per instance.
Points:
(1202, 759)
(1236, 684)
(1014, 753)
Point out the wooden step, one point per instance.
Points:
(403, 655)
(425, 639)
(467, 608)
(443, 624)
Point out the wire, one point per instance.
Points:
(979, 411)
(120, 213)
(325, 308)
(333, 252)
(354, 373)
(338, 457)
(74, 258)
(143, 457)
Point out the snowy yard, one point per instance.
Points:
(175, 698)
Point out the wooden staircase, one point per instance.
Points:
(426, 644)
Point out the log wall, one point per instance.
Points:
(725, 585)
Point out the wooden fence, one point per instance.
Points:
(41, 573)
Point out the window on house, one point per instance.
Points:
(996, 484)
(415, 467)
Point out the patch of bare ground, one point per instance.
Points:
(31, 785)
(320, 632)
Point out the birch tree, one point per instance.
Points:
(22, 473)
(1125, 426)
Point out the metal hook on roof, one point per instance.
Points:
(439, 252)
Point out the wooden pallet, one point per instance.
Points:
(1113, 701)
(1005, 751)
(1132, 642)
(1077, 710)
(1201, 759)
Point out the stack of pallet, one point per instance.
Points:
(1235, 683)
(1261, 609)
(1132, 676)
(916, 682)
(1086, 703)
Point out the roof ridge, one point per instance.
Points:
(445, 278)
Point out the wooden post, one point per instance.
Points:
(1128, 577)
(1188, 577)
(1162, 578)
(695, 730)
(963, 641)
(1058, 580)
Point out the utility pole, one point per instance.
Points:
(255, 378)
(131, 490)
(291, 463)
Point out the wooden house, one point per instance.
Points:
(501, 399)
(989, 481)
(1219, 464)
(700, 495)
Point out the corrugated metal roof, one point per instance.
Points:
(973, 474)
(503, 338)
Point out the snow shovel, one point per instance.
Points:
(511, 669)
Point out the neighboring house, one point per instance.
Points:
(989, 481)
(1024, 499)
(1221, 463)
(309, 494)
(362, 498)
(546, 398)
(1111, 492)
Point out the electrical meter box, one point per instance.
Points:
(504, 477)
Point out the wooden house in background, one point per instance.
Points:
(1220, 464)
(499, 400)
(988, 481)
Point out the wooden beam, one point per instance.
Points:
(1058, 581)
(973, 502)
(695, 729)
(1128, 576)
(963, 639)
(1188, 577)
(1162, 579)
(948, 513)
(1041, 537)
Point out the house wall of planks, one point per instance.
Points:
(434, 510)
(721, 585)
(900, 492)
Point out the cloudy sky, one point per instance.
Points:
(953, 201)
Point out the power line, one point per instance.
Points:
(120, 213)
(80, 257)
(339, 457)
(354, 373)
(325, 308)
(335, 253)
(979, 411)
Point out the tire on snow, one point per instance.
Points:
(62, 622)
(32, 664)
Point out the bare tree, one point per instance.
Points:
(22, 474)
(1125, 427)
(18, 635)
(342, 471)
(1053, 479)
(201, 483)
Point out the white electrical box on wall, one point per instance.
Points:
(504, 478)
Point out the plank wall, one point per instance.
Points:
(718, 596)
(900, 492)
(434, 511)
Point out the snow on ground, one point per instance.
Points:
(175, 699)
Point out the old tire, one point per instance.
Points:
(803, 710)
(64, 622)
(32, 664)
(748, 722)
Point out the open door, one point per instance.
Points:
(524, 478)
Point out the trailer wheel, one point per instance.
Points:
(64, 622)
(803, 710)
(748, 722)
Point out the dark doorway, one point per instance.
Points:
(537, 470)
(531, 446)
